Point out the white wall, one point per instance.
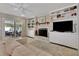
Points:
(31, 32)
(78, 28)
(2, 33)
(0, 29)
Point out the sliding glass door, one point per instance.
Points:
(13, 27)
(9, 28)
(18, 28)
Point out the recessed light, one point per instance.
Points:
(15, 8)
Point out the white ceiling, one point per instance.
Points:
(31, 9)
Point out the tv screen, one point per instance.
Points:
(63, 26)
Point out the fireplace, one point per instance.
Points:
(42, 32)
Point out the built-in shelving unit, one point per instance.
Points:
(69, 39)
(65, 13)
(31, 23)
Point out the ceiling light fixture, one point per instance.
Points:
(22, 15)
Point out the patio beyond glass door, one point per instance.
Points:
(13, 28)
(9, 28)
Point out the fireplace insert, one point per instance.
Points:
(43, 32)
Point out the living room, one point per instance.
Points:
(39, 29)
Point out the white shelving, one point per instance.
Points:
(65, 38)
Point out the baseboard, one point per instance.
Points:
(64, 46)
(30, 37)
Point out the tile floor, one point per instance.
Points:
(54, 50)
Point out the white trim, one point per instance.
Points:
(62, 8)
(65, 19)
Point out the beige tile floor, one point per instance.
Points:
(42, 44)
(53, 49)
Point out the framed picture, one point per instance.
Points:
(41, 19)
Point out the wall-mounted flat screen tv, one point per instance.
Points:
(63, 26)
